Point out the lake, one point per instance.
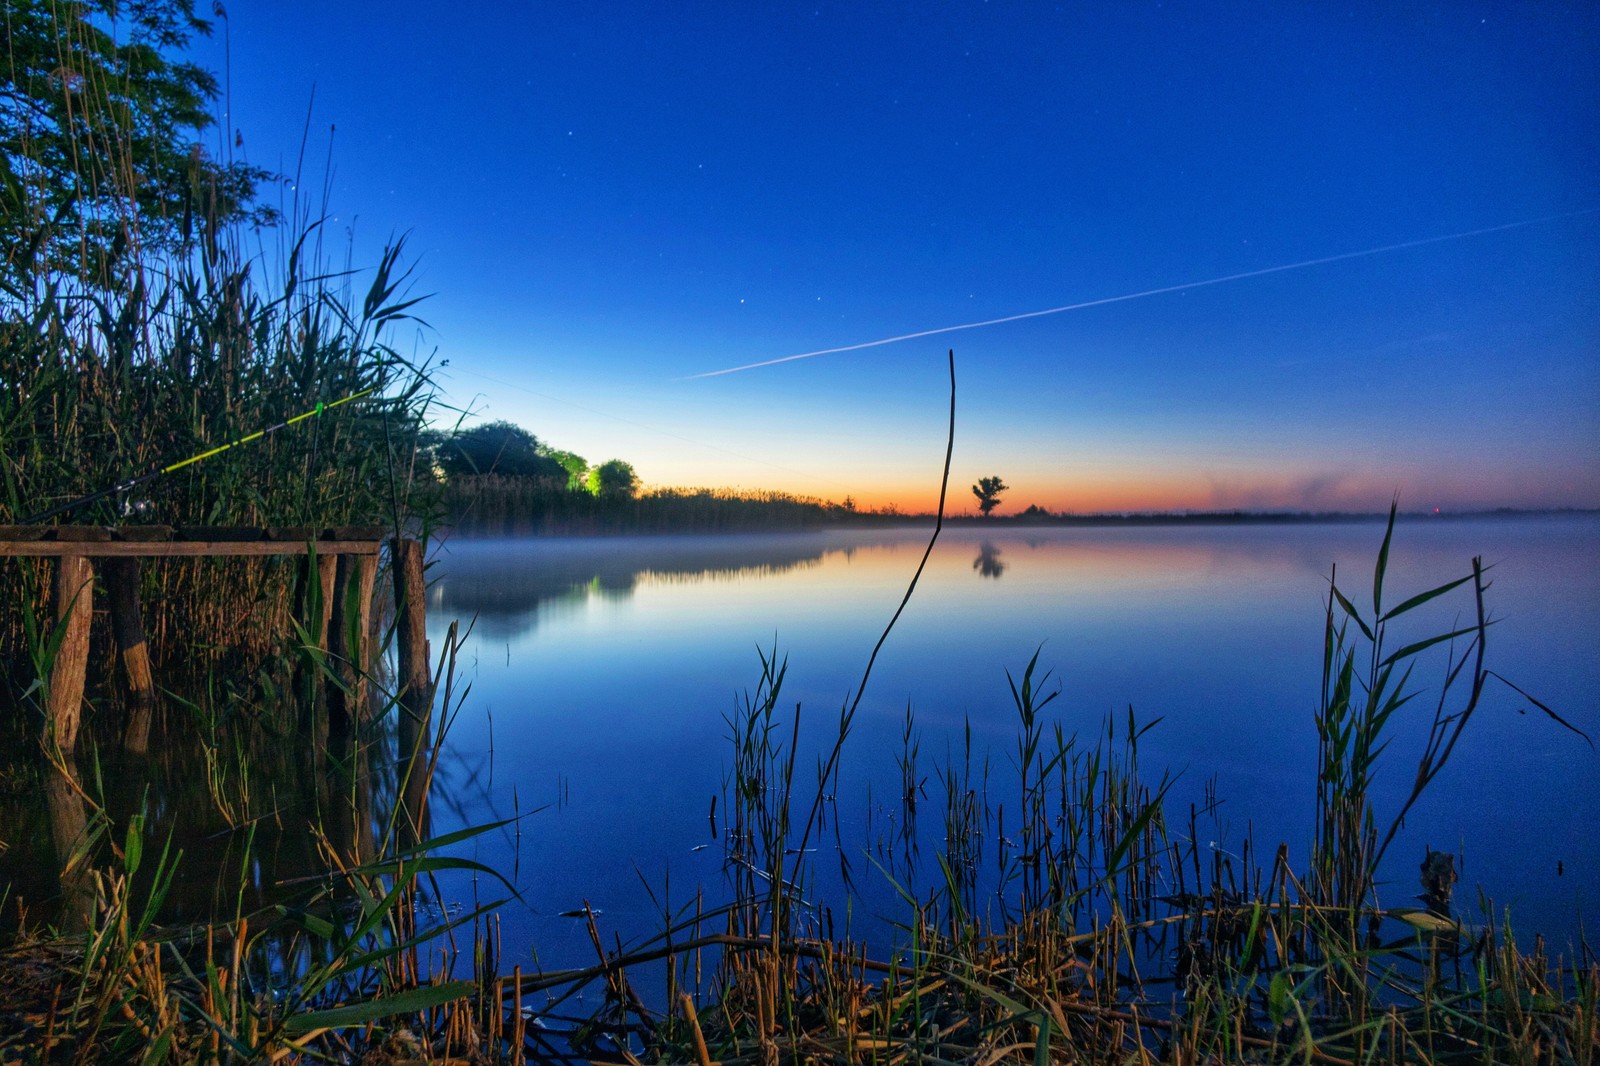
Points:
(601, 672)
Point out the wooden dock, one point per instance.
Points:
(346, 565)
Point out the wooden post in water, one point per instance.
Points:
(127, 625)
(74, 596)
(342, 698)
(348, 639)
(327, 566)
(416, 696)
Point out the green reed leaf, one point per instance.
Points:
(408, 1002)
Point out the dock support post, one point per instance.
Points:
(74, 602)
(127, 625)
(349, 641)
(414, 729)
(327, 565)
(342, 699)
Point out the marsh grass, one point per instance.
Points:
(1070, 916)
(124, 354)
(299, 966)
(493, 505)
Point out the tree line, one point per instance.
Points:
(506, 450)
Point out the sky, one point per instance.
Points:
(603, 201)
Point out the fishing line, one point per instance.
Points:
(133, 483)
(1182, 287)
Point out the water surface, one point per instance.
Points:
(602, 670)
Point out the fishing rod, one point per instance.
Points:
(133, 483)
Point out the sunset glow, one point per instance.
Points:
(1260, 258)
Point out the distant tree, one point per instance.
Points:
(100, 127)
(988, 490)
(496, 448)
(614, 479)
(576, 466)
(1033, 510)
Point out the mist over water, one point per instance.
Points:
(602, 671)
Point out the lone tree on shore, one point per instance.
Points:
(988, 490)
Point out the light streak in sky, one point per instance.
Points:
(1184, 286)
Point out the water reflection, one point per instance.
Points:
(64, 800)
(627, 652)
(248, 808)
(988, 563)
(510, 584)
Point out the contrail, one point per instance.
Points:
(1382, 249)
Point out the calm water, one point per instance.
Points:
(601, 670)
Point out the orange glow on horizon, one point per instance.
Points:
(1367, 492)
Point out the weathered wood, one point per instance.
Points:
(342, 702)
(127, 626)
(74, 606)
(144, 533)
(183, 548)
(373, 533)
(346, 571)
(82, 534)
(366, 577)
(348, 641)
(327, 570)
(230, 534)
(414, 727)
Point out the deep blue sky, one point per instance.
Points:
(608, 198)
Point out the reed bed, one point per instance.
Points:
(1072, 917)
(150, 312)
(496, 505)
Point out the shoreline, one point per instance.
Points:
(542, 528)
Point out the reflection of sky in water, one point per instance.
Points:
(601, 671)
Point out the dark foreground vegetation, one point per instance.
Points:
(265, 892)
(1064, 913)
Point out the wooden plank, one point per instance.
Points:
(34, 549)
(81, 534)
(143, 533)
(222, 534)
(356, 532)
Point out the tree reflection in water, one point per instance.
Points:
(988, 563)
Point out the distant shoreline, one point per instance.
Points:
(554, 527)
(1257, 517)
